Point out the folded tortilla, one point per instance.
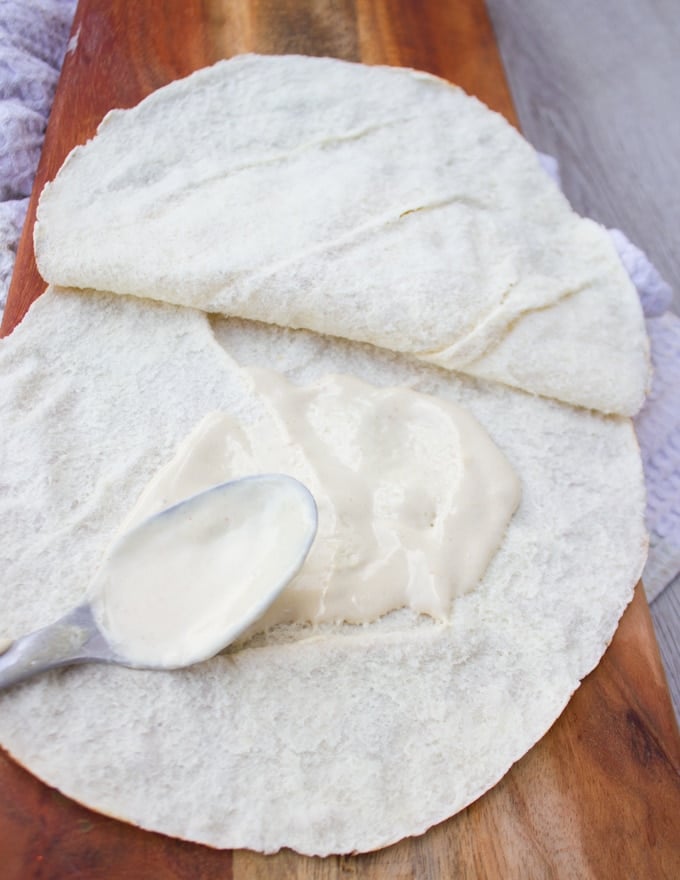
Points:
(371, 203)
(327, 740)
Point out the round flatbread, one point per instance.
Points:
(371, 203)
(335, 739)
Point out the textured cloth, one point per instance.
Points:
(658, 429)
(658, 424)
(33, 40)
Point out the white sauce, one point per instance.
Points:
(413, 495)
(180, 587)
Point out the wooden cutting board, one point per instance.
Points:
(599, 796)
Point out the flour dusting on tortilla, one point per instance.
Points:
(372, 203)
(331, 740)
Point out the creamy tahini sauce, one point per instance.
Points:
(413, 496)
(182, 586)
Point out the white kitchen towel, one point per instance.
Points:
(658, 430)
(658, 424)
(33, 40)
(33, 36)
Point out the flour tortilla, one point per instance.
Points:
(372, 203)
(326, 741)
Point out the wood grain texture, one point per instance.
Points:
(598, 86)
(599, 795)
(45, 836)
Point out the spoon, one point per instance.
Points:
(183, 584)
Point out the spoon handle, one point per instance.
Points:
(73, 638)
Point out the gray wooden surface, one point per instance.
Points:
(597, 84)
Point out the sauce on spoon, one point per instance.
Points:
(182, 584)
(185, 583)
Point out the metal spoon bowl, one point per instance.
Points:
(76, 638)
